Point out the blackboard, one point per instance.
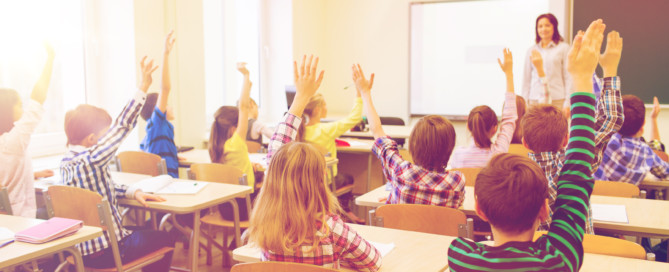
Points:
(644, 26)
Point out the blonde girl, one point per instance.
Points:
(295, 216)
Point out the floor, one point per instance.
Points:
(179, 259)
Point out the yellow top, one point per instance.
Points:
(324, 134)
(237, 155)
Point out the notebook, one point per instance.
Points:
(51, 229)
(165, 184)
(6, 236)
(609, 213)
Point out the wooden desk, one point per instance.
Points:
(359, 162)
(212, 195)
(598, 262)
(18, 252)
(641, 213)
(661, 186)
(414, 251)
(395, 132)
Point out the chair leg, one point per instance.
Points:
(224, 251)
(209, 255)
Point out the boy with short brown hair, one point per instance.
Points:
(545, 128)
(510, 192)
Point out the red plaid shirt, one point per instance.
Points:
(413, 184)
(341, 247)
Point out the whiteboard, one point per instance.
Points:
(455, 46)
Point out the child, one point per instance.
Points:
(511, 191)
(628, 158)
(324, 135)
(295, 218)
(520, 109)
(227, 142)
(16, 126)
(159, 138)
(482, 123)
(92, 144)
(546, 131)
(257, 129)
(430, 144)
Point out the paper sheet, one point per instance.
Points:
(182, 188)
(609, 213)
(383, 248)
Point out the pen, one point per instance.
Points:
(6, 243)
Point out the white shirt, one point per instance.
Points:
(555, 66)
(16, 169)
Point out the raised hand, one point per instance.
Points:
(241, 67)
(147, 70)
(611, 57)
(584, 55)
(507, 65)
(169, 43)
(306, 81)
(363, 85)
(656, 108)
(538, 62)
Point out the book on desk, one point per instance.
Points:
(49, 230)
(165, 184)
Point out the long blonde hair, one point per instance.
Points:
(315, 102)
(294, 201)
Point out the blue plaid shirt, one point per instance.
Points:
(609, 118)
(629, 159)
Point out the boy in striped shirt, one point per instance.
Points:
(92, 144)
(511, 191)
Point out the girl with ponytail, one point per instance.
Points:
(482, 123)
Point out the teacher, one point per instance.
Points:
(545, 79)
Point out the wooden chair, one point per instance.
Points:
(423, 218)
(216, 172)
(393, 121)
(253, 146)
(470, 174)
(662, 155)
(333, 186)
(139, 162)
(5, 205)
(279, 267)
(617, 189)
(518, 149)
(89, 207)
(608, 246)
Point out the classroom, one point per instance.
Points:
(333, 135)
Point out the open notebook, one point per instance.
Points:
(165, 184)
(51, 229)
(6, 236)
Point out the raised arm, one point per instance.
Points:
(107, 145)
(510, 112)
(165, 82)
(609, 117)
(306, 84)
(364, 88)
(574, 181)
(244, 101)
(42, 86)
(654, 131)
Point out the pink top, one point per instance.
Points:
(16, 169)
(474, 156)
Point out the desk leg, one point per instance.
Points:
(195, 243)
(238, 232)
(79, 262)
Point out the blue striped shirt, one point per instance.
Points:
(88, 168)
(159, 140)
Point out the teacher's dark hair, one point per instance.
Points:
(556, 34)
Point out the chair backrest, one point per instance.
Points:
(215, 172)
(278, 267)
(662, 155)
(253, 147)
(470, 174)
(614, 188)
(139, 162)
(87, 206)
(605, 245)
(518, 149)
(393, 121)
(424, 218)
(5, 205)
